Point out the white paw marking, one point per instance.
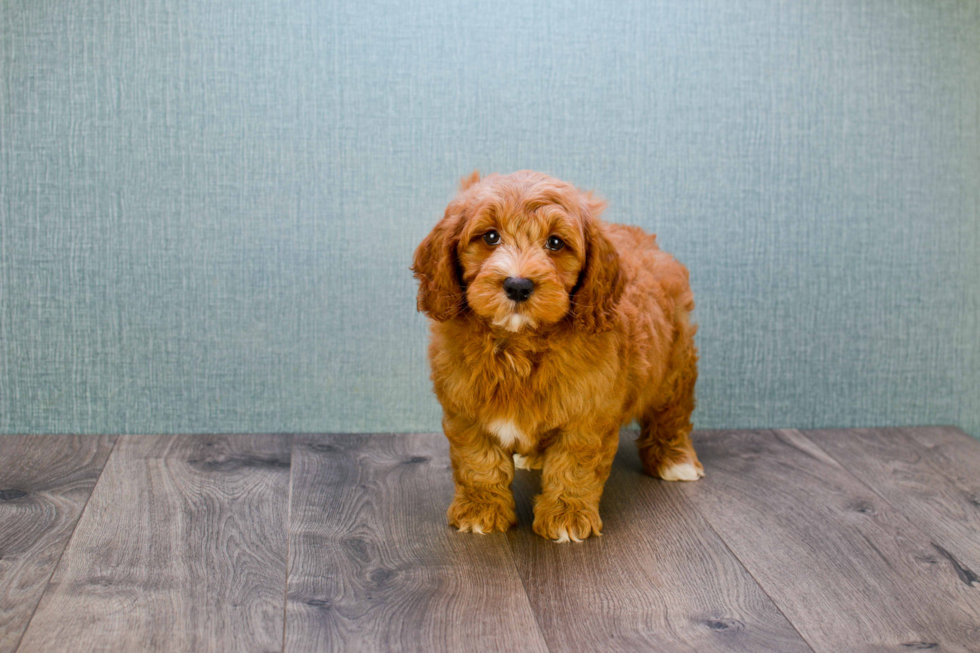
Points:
(507, 432)
(565, 536)
(520, 462)
(478, 529)
(681, 472)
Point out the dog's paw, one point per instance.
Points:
(469, 516)
(562, 523)
(683, 471)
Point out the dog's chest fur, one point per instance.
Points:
(520, 394)
(508, 433)
(525, 389)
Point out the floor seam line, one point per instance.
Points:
(741, 563)
(74, 528)
(928, 535)
(289, 521)
(534, 614)
(757, 583)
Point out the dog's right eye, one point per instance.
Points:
(491, 238)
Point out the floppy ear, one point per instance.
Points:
(600, 284)
(436, 267)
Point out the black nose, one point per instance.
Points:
(518, 289)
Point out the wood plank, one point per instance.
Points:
(373, 564)
(658, 579)
(182, 547)
(953, 453)
(937, 488)
(45, 481)
(849, 571)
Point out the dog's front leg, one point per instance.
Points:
(576, 467)
(482, 473)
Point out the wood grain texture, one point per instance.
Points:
(658, 579)
(848, 570)
(374, 565)
(182, 547)
(45, 481)
(952, 453)
(936, 485)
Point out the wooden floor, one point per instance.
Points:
(857, 540)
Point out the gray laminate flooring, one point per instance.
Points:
(845, 540)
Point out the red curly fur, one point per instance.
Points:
(604, 339)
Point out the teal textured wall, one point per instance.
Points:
(208, 208)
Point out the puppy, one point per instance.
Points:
(550, 331)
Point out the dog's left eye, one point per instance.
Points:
(554, 243)
(491, 238)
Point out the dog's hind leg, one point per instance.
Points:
(665, 444)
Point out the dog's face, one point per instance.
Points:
(520, 258)
(521, 251)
